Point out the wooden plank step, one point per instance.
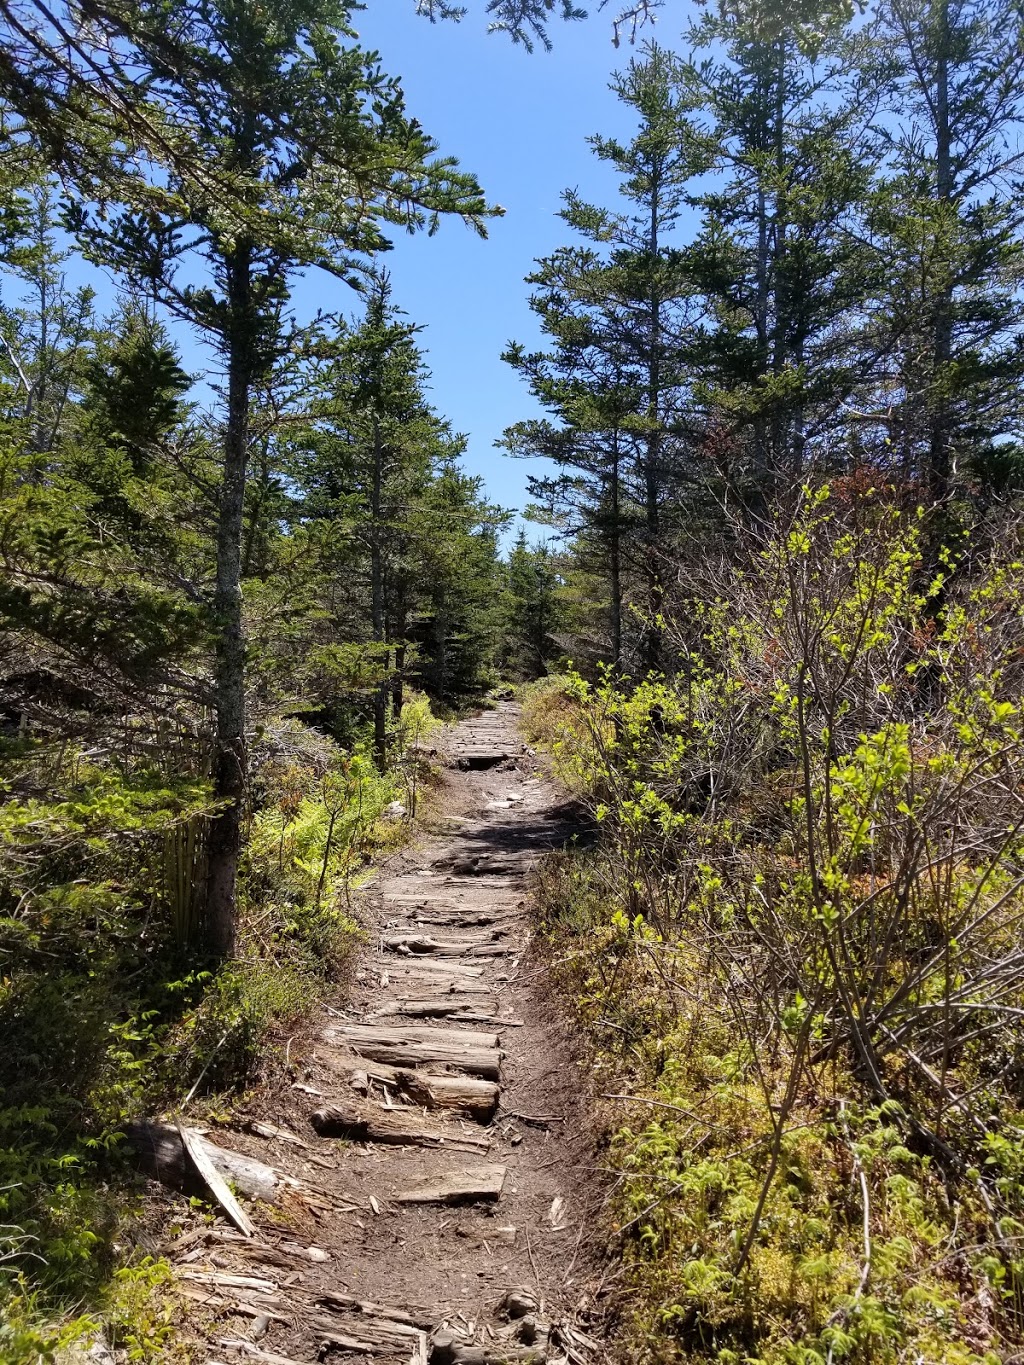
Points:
(496, 904)
(420, 1033)
(395, 1127)
(469, 1095)
(467, 1186)
(346, 1303)
(414, 983)
(447, 1049)
(455, 915)
(427, 945)
(433, 968)
(448, 1349)
(440, 1005)
(369, 1336)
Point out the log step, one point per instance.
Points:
(448, 1349)
(396, 1127)
(370, 1336)
(468, 1186)
(346, 1303)
(418, 1033)
(439, 1005)
(477, 1099)
(426, 945)
(403, 1051)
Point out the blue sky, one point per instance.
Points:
(519, 121)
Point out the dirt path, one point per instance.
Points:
(437, 1214)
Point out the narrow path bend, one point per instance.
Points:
(441, 1112)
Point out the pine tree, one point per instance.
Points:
(317, 142)
(533, 613)
(778, 118)
(369, 455)
(947, 221)
(617, 312)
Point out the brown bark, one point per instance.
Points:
(230, 761)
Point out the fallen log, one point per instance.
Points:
(161, 1154)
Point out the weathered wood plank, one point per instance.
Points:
(347, 1303)
(398, 1127)
(161, 1154)
(478, 1099)
(448, 1349)
(214, 1181)
(447, 1050)
(374, 1336)
(422, 945)
(419, 1033)
(454, 971)
(440, 1005)
(470, 1185)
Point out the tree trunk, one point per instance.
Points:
(942, 333)
(380, 698)
(652, 467)
(398, 678)
(229, 772)
(615, 559)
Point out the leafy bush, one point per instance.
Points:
(799, 941)
(106, 1011)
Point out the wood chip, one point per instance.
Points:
(555, 1213)
(215, 1182)
(271, 1131)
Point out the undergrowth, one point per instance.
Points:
(108, 1012)
(796, 951)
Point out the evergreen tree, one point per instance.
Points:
(947, 221)
(533, 612)
(617, 312)
(317, 140)
(778, 261)
(370, 456)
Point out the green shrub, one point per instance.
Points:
(796, 945)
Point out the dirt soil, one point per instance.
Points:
(446, 1197)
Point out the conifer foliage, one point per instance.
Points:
(224, 598)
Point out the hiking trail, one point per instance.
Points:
(424, 1198)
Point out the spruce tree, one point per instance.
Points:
(778, 123)
(947, 222)
(322, 156)
(617, 312)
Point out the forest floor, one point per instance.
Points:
(428, 1171)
